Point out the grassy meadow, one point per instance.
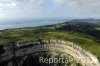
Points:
(79, 33)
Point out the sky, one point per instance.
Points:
(34, 9)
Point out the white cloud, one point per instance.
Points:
(38, 7)
(58, 2)
(22, 4)
(86, 5)
(81, 5)
(7, 5)
(0, 8)
(30, 4)
(11, 5)
(20, 8)
(2, 15)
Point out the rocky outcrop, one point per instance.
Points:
(79, 54)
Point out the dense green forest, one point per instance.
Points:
(87, 35)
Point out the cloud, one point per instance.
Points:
(2, 15)
(12, 5)
(91, 6)
(0, 8)
(52, 7)
(81, 5)
(20, 8)
(22, 4)
(58, 2)
(29, 4)
(7, 5)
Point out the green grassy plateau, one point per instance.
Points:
(87, 35)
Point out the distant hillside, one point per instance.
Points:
(95, 21)
(83, 27)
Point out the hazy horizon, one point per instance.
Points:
(35, 9)
(14, 12)
(29, 23)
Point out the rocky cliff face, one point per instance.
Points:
(29, 54)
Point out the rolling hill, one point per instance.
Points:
(84, 34)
